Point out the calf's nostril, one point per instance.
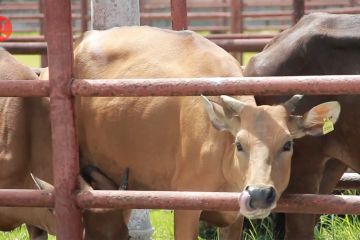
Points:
(271, 195)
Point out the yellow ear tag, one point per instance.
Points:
(328, 126)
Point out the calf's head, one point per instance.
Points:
(263, 145)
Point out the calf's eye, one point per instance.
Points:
(287, 146)
(239, 147)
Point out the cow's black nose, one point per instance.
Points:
(261, 197)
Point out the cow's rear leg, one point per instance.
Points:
(334, 169)
(36, 233)
(186, 224)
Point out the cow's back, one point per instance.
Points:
(146, 134)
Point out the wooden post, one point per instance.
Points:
(106, 14)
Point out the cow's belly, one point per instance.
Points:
(142, 135)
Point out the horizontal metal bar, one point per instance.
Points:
(295, 203)
(251, 45)
(25, 47)
(33, 16)
(349, 181)
(26, 198)
(319, 204)
(26, 39)
(190, 15)
(228, 44)
(24, 88)
(159, 200)
(310, 85)
(224, 36)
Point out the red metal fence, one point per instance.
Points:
(62, 89)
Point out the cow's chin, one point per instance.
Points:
(256, 214)
(252, 213)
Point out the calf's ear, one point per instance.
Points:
(318, 121)
(224, 116)
(42, 185)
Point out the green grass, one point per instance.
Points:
(18, 234)
(29, 60)
(163, 224)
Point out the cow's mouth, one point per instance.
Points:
(248, 211)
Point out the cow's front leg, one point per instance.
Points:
(234, 231)
(36, 233)
(186, 224)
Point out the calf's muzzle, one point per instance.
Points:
(261, 197)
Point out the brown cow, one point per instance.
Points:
(25, 147)
(320, 44)
(168, 143)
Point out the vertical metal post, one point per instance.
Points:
(235, 16)
(237, 23)
(179, 14)
(84, 15)
(64, 142)
(143, 10)
(298, 10)
(43, 58)
(241, 7)
(106, 14)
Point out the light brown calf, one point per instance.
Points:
(319, 44)
(186, 143)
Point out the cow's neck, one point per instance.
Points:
(24, 142)
(14, 141)
(38, 217)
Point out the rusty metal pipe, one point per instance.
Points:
(295, 203)
(26, 198)
(310, 85)
(238, 36)
(24, 88)
(25, 47)
(64, 142)
(159, 200)
(235, 16)
(228, 44)
(178, 14)
(319, 204)
(298, 10)
(251, 45)
(191, 16)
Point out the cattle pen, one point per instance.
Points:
(62, 88)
